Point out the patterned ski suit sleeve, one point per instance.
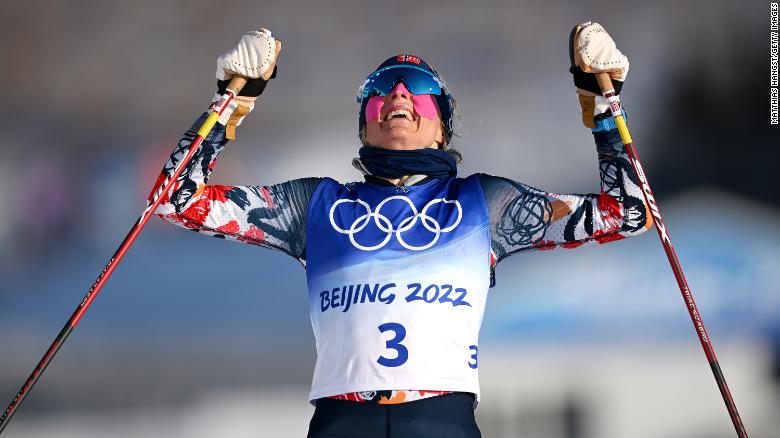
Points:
(270, 216)
(524, 218)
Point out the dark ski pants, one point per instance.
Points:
(450, 416)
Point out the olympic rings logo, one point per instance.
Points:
(383, 223)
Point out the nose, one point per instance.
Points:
(400, 91)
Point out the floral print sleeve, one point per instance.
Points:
(524, 218)
(270, 216)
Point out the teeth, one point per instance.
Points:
(407, 114)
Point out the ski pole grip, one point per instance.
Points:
(605, 82)
(236, 84)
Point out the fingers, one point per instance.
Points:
(252, 57)
(267, 75)
(574, 47)
(594, 51)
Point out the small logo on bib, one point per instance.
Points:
(385, 225)
(367, 395)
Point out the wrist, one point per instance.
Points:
(605, 122)
(234, 113)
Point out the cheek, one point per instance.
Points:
(425, 105)
(374, 107)
(373, 134)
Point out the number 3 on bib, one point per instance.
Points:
(394, 344)
(473, 365)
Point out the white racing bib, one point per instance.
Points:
(397, 285)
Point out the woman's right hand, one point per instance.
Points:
(254, 57)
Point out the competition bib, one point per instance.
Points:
(397, 285)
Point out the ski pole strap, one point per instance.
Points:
(218, 107)
(607, 123)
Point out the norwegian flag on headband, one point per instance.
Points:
(408, 58)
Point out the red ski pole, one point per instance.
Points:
(235, 85)
(605, 83)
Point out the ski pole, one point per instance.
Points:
(605, 83)
(233, 88)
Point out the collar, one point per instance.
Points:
(412, 180)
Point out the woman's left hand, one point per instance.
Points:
(592, 50)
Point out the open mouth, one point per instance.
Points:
(399, 114)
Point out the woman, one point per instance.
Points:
(399, 265)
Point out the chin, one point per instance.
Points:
(401, 144)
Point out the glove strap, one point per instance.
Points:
(253, 87)
(587, 81)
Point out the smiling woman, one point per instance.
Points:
(403, 121)
(404, 104)
(394, 117)
(398, 266)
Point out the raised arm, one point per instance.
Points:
(524, 218)
(271, 216)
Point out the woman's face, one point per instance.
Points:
(403, 121)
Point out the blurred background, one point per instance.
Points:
(198, 337)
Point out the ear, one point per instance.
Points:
(439, 138)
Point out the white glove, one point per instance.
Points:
(253, 57)
(594, 51)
